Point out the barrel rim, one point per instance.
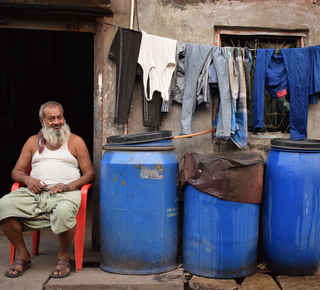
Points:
(305, 144)
(138, 148)
(139, 138)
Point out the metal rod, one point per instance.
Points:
(194, 134)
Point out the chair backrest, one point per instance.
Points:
(29, 170)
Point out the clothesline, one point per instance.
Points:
(202, 64)
(116, 26)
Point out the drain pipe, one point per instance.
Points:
(125, 128)
(131, 14)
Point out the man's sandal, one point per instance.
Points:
(64, 265)
(18, 262)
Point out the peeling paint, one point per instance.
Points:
(100, 83)
(155, 173)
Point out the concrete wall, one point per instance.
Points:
(194, 21)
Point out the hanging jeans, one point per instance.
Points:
(315, 74)
(196, 55)
(298, 66)
(262, 62)
(225, 107)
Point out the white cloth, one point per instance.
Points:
(55, 166)
(157, 59)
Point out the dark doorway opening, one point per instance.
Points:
(37, 66)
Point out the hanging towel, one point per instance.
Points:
(234, 84)
(157, 59)
(233, 73)
(124, 51)
(240, 136)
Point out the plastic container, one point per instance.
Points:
(139, 204)
(290, 220)
(220, 238)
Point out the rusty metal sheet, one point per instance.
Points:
(91, 7)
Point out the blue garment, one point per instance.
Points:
(223, 125)
(213, 76)
(298, 66)
(195, 58)
(276, 76)
(262, 61)
(315, 74)
(302, 66)
(240, 136)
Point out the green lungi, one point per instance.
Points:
(39, 211)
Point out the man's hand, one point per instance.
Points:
(35, 185)
(59, 187)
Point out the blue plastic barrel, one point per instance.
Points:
(139, 207)
(220, 238)
(290, 227)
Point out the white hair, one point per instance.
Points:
(56, 138)
(49, 103)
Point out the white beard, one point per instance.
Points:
(56, 138)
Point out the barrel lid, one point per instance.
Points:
(306, 144)
(139, 138)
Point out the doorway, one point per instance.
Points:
(37, 66)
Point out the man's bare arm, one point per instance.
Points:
(18, 173)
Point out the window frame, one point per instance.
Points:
(300, 34)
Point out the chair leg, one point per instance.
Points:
(35, 242)
(79, 241)
(35, 246)
(12, 253)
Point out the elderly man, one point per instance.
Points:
(60, 164)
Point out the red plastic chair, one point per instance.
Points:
(78, 237)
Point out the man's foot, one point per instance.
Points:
(17, 268)
(62, 268)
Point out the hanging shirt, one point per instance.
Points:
(277, 77)
(157, 59)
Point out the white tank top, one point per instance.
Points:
(55, 166)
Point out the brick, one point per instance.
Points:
(201, 283)
(259, 281)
